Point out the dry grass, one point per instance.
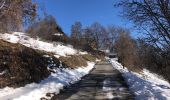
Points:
(89, 57)
(74, 61)
(23, 65)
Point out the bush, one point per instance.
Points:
(126, 49)
(155, 59)
(47, 29)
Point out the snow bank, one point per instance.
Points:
(146, 86)
(22, 38)
(52, 84)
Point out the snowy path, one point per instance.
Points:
(104, 82)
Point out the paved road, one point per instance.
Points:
(103, 83)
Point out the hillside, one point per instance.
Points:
(33, 68)
(21, 65)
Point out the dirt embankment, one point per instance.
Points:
(20, 65)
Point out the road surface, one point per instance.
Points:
(103, 83)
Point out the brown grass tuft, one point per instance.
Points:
(73, 61)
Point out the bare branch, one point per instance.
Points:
(2, 5)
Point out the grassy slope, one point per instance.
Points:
(22, 65)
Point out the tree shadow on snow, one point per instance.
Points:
(144, 89)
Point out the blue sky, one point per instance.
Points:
(67, 12)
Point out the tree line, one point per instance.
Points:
(151, 51)
(96, 35)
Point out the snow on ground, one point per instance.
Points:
(22, 38)
(3, 72)
(108, 89)
(58, 34)
(56, 81)
(52, 84)
(146, 86)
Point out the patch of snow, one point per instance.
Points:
(47, 56)
(109, 95)
(109, 88)
(58, 34)
(146, 86)
(57, 56)
(98, 60)
(83, 53)
(116, 59)
(56, 81)
(52, 84)
(106, 85)
(21, 38)
(3, 72)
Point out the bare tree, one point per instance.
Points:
(99, 34)
(13, 13)
(151, 15)
(87, 35)
(2, 4)
(153, 18)
(112, 37)
(46, 28)
(76, 31)
(126, 49)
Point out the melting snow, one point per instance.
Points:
(146, 86)
(58, 34)
(52, 84)
(57, 49)
(3, 72)
(56, 81)
(107, 88)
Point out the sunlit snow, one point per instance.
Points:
(146, 86)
